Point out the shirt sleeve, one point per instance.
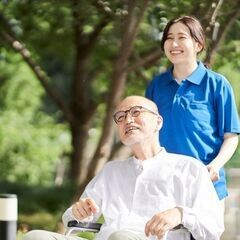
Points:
(228, 120)
(202, 215)
(93, 190)
(68, 216)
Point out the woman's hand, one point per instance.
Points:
(213, 172)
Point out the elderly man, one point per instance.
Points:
(150, 193)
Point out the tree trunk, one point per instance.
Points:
(79, 141)
(82, 105)
(130, 28)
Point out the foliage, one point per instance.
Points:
(50, 31)
(49, 199)
(31, 143)
(41, 207)
(235, 161)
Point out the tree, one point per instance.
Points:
(81, 108)
(98, 48)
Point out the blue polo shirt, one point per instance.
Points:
(196, 114)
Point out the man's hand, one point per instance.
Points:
(163, 222)
(84, 208)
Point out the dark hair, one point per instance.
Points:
(194, 26)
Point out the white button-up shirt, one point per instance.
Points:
(130, 192)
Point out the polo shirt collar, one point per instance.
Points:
(196, 76)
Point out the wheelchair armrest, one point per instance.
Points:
(180, 226)
(86, 226)
(75, 226)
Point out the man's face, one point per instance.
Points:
(140, 123)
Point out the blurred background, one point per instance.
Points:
(64, 66)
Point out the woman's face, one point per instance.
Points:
(180, 47)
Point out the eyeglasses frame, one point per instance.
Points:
(129, 110)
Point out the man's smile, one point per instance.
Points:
(130, 129)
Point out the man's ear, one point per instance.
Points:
(159, 123)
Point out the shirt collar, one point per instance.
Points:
(196, 76)
(147, 162)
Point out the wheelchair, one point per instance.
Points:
(75, 226)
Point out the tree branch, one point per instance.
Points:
(147, 60)
(93, 37)
(40, 74)
(224, 29)
(216, 12)
(84, 43)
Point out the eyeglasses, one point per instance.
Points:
(134, 111)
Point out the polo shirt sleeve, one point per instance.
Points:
(149, 90)
(227, 115)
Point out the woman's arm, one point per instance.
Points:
(227, 149)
